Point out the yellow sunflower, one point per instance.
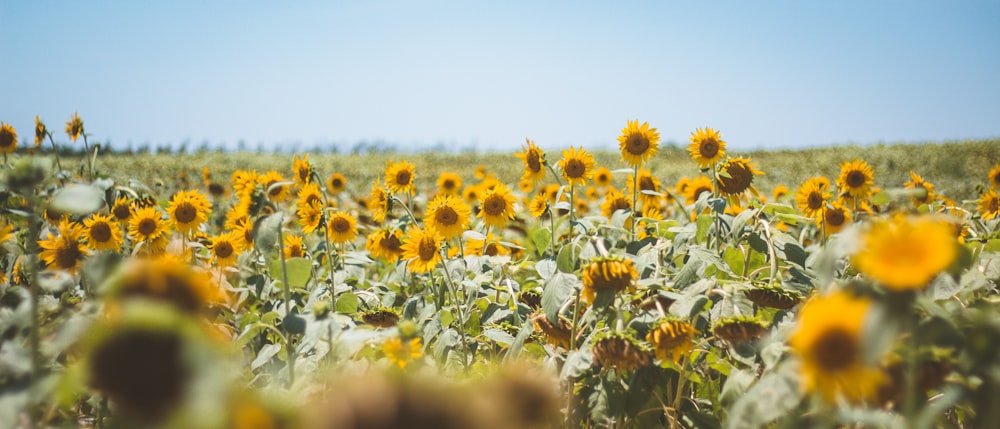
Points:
(577, 166)
(309, 195)
(472, 193)
(65, 251)
(697, 186)
(401, 352)
(294, 247)
(8, 138)
(811, 197)
(448, 215)
(122, 209)
(379, 201)
(779, 192)
(706, 147)
(906, 253)
(497, 206)
(74, 127)
(738, 178)
(276, 193)
(102, 233)
(534, 162)
(336, 184)
(166, 279)
(40, 131)
(917, 182)
(449, 183)
(492, 247)
(342, 227)
(995, 177)
(989, 205)
(829, 341)
(671, 337)
(188, 210)
(302, 170)
(603, 177)
(835, 217)
(399, 177)
(244, 182)
(421, 247)
(615, 200)
(539, 205)
(855, 180)
(647, 182)
(223, 249)
(525, 186)
(607, 273)
(638, 143)
(385, 244)
(147, 228)
(242, 228)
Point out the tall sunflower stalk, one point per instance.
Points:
(638, 144)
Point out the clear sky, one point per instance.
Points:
(768, 74)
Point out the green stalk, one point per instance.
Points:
(288, 297)
(458, 307)
(635, 199)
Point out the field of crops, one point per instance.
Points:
(680, 286)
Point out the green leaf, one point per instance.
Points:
(265, 235)
(264, 355)
(541, 238)
(775, 395)
(500, 337)
(347, 303)
(77, 199)
(299, 271)
(567, 258)
(515, 347)
(556, 291)
(703, 222)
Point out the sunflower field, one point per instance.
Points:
(572, 292)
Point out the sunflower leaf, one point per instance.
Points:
(557, 290)
(77, 199)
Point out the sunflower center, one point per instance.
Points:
(337, 183)
(147, 226)
(739, 178)
(427, 249)
(855, 179)
(390, 243)
(295, 251)
(835, 350)
(274, 191)
(100, 232)
(619, 204)
(494, 205)
(122, 212)
(637, 144)
(491, 250)
(646, 183)
(815, 200)
(446, 216)
(341, 225)
(574, 168)
(6, 139)
(403, 178)
(534, 161)
(996, 178)
(701, 190)
(216, 189)
(448, 184)
(185, 213)
(602, 178)
(835, 217)
(67, 255)
(223, 249)
(708, 148)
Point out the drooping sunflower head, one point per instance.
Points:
(828, 340)
(421, 247)
(302, 170)
(102, 233)
(773, 297)
(534, 161)
(342, 227)
(385, 244)
(924, 189)
(188, 210)
(621, 351)
(41, 132)
(739, 329)
(379, 202)
(989, 204)
(497, 206)
(906, 252)
(399, 177)
(811, 197)
(449, 183)
(336, 184)
(672, 338)
(856, 179)
(74, 127)
(995, 177)
(66, 251)
(8, 138)
(224, 250)
(638, 143)
(448, 215)
(380, 317)
(612, 274)
(736, 176)
(577, 165)
(706, 147)
(556, 334)
(835, 217)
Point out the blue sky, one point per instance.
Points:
(768, 74)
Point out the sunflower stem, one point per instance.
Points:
(572, 210)
(552, 227)
(86, 156)
(55, 152)
(287, 297)
(572, 328)
(34, 229)
(554, 174)
(635, 199)
(458, 308)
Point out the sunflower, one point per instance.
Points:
(146, 227)
(695, 187)
(620, 350)
(539, 205)
(472, 193)
(989, 205)
(739, 329)
(497, 206)
(706, 147)
(493, 247)
(638, 143)
(74, 127)
(647, 182)
(223, 249)
(835, 217)
(302, 170)
(906, 253)
(448, 215)
(379, 201)
(603, 177)
(557, 334)
(917, 182)
(8, 138)
(242, 228)
(399, 177)
(401, 352)
(995, 177)
(828, 340)
(421, 247)
(168, 280)
(40, 131)
(607, 274)
(773, 297)
(122, 209)
(615, 200)
(811, 197)
(294, 247)
(188, 210)
(244, 182)
(65, 251)
(308, 195)
(673, 336)
(449, 183)
(342, 228)
(737, 179)
(855, 180)
(336, 184)
(102, 233)
(275, 193)
(577, 166)
(534, 162)
(385, 244)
